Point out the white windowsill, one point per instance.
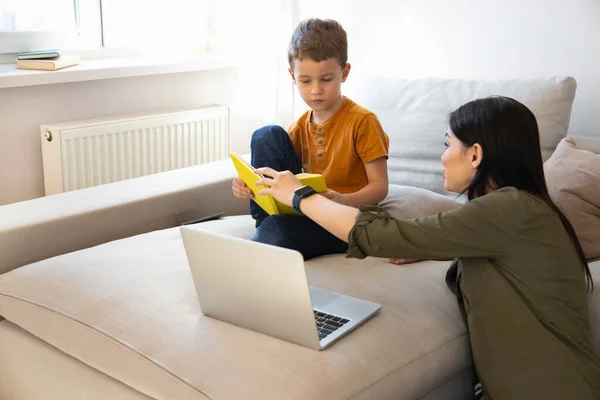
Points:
(108, 68)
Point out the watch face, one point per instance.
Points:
(304, 191)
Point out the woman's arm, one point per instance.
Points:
(336, 218)
(484, 227)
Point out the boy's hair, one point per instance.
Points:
(318, 40)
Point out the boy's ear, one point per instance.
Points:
(292, 75)
(345, 72)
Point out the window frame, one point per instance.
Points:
(87, 35)
(17, 41)
(87, 40)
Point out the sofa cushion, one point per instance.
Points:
(31, 369)
(129, 309)
(573, 180)
(414, 113)
(406, 202)
(587, 142)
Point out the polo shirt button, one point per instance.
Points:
(320, 155)
(320, 142)
(319, 129)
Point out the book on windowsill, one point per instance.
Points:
(268, 203)
(38, 54)
(50, 64)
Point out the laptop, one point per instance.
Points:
(264, 288)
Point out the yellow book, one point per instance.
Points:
(268, 203)
(50, 64)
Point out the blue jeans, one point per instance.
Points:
(271, 147)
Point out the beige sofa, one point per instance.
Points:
(99, 302)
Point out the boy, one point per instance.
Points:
(336, 138)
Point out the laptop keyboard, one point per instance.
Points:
(327, 323)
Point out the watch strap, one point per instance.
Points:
(301, 193)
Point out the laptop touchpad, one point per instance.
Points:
(321, 298)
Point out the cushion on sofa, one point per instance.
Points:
(414, 113)
(129, 309)
(406, 202)
(587, 142)
(573, 180)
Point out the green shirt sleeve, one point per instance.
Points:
(484, 227)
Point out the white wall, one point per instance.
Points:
(476, 39)
(24, 109)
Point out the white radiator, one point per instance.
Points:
(86, 153)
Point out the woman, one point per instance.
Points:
(520, 275)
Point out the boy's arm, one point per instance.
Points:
(375, 191)
(372, 146)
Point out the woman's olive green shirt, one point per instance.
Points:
(520, 285)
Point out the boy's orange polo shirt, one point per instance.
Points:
(339, 147)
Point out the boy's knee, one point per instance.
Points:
(269, 132)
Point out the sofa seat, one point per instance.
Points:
(128, 308)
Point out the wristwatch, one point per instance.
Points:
(301, 193)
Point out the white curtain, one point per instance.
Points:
(257, 34)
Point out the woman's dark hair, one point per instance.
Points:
(508, 134)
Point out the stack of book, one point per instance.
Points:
(46, 60)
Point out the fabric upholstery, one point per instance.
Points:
(414, 114)
(573, 180)
(129, 309)
(32, 369)
(40, 228)
(406, 202)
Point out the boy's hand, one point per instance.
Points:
(240, 190)
(333, 196)
(400, 261)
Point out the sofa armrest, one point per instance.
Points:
(37, 229)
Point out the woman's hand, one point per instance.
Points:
(400, 261)
(240, 190)
(281, 185)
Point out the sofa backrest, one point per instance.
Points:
(414, 113)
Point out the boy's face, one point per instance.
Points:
(320, 83)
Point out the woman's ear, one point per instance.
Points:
(476, 156)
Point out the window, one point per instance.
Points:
(35, 23)
(32, 15)
(103, 24)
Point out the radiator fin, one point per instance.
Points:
(94, 152)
